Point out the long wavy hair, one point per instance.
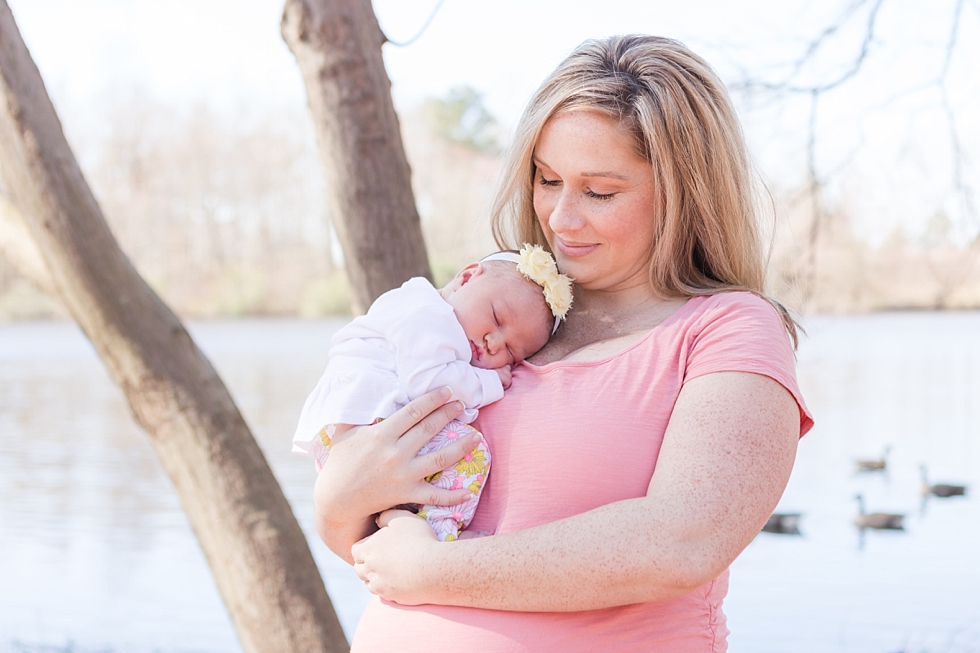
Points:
(706, 238)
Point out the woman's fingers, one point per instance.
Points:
(390, 561)
(418, 409)
(438, 460)
(433, 496)
(416, 437)
(378, 467)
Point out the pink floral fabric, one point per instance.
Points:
(470, 473)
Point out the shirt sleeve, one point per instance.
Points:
(742, 332)
(431, 351)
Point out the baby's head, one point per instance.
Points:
(509, 304)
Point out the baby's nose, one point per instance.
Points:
(494, 342)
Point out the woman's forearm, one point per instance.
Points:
(622, 553)
(619, 554)
(725, 460)
(339, 529)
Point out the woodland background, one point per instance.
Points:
(224, 212)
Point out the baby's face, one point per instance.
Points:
(504, 315)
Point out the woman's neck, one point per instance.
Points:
(611, 304)
(604, 322)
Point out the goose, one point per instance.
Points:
(786, 523)
(940, 489)
(877, 520)
(874, 464)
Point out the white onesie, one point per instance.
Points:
(407, 344)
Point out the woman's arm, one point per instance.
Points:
(726, 458)
(376, 467)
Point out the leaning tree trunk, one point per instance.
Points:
(17, 245)
(257, 552)
(337, 44)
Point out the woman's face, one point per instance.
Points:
(595, 198)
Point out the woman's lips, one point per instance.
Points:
(574, 249)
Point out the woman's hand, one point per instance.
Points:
(392, 562)
(377, 468)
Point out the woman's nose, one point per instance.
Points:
(565, 215)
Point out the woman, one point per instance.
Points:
(643, 448)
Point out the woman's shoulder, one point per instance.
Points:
(744, 332)
(732, 324)
(737, 299)
(735, 307)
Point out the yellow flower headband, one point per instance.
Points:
(539, 266)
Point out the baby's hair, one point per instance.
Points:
(508, 270)
(499, 269)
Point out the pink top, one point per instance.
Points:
(572, 436)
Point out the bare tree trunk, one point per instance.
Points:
(257, 552)
(18, 246)
(337, 44)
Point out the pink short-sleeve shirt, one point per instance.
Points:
(571, 436)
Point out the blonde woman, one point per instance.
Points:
(645, 445)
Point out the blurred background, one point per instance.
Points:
(189, 120)
(190, 123)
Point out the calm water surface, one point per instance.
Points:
(96, 555)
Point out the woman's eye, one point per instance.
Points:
(549, 182)
(599, 196)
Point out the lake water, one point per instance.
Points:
(96, 555)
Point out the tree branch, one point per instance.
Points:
(787, 85)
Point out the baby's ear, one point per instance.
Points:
(464, 275)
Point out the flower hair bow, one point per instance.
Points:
(539, 266)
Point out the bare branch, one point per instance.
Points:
(422, 30)
(963, 188)
(788, 87)
(821, 38)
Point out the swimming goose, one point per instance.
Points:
(940, 489)
(874, 464)
(877, 520)
(785, 523)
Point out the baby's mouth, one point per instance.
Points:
(477, 354)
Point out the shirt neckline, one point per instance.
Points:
(682, 311)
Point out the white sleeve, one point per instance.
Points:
(432, 352)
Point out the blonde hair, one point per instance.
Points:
(681, 118)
